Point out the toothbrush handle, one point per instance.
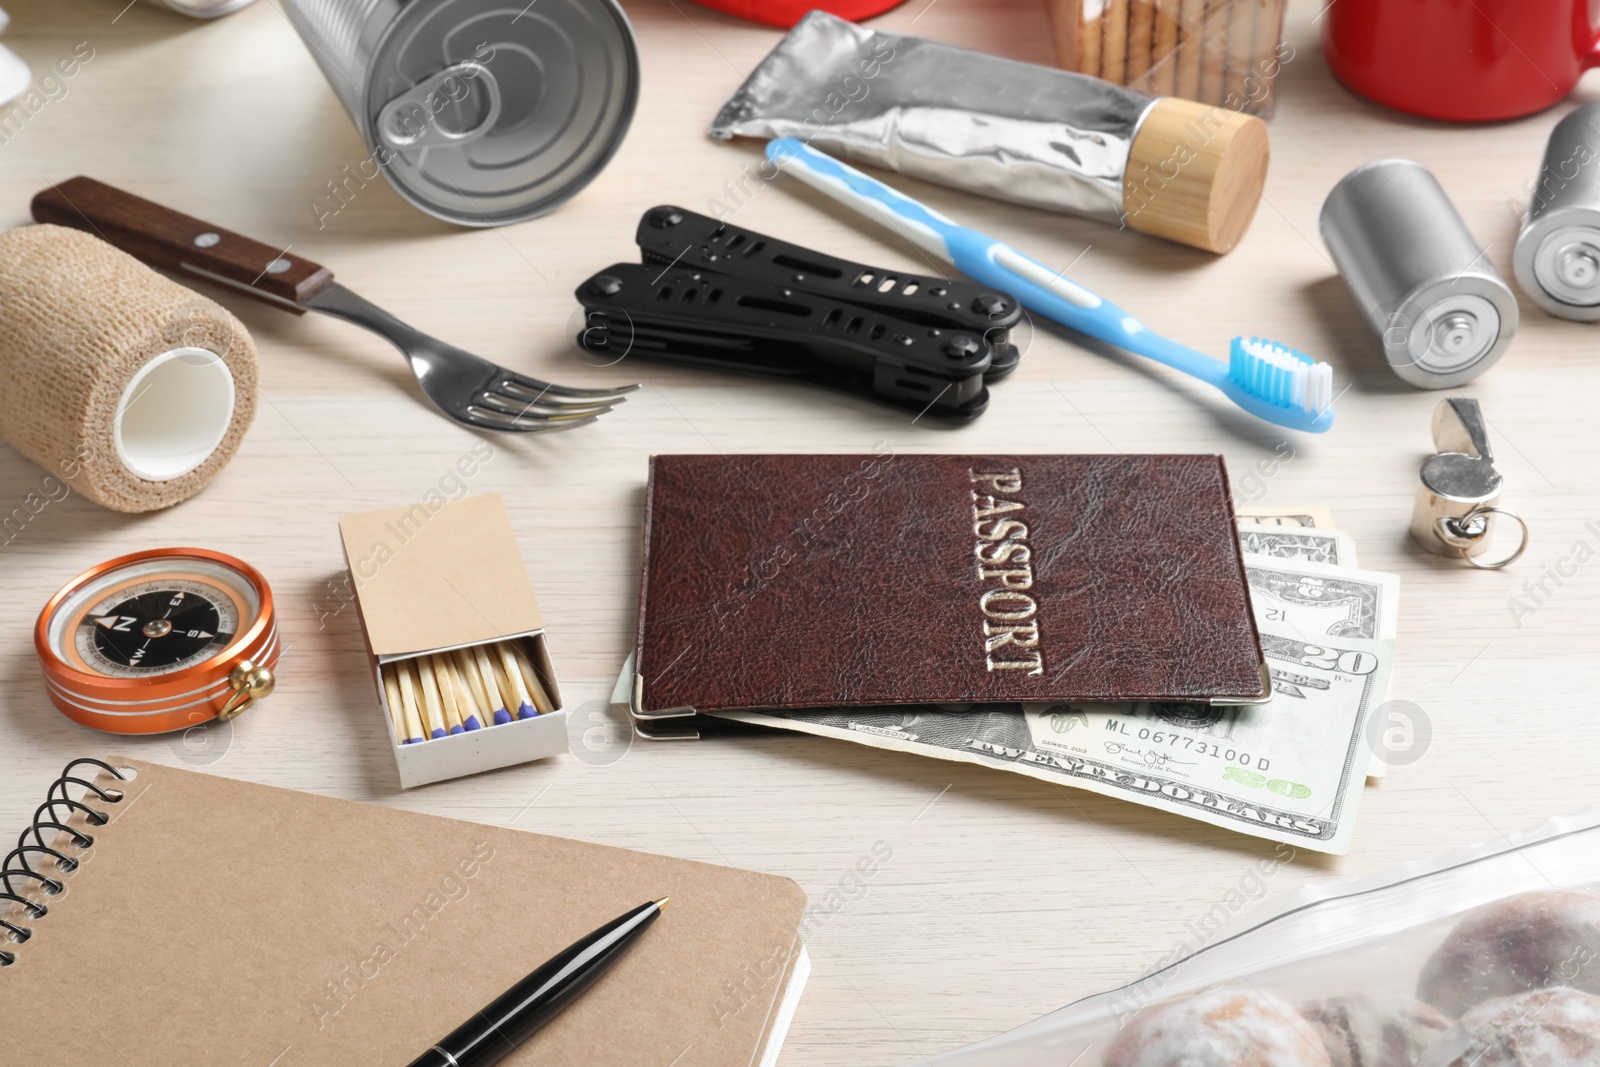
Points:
(1049, 293)
(919, 224)
(986, 260)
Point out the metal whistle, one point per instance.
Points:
(1460, 488)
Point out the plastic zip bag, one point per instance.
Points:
(1458, 931)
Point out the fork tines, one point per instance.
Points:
(515, 402)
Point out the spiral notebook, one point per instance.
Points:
(213, 921)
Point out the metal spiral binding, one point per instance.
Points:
(16, 865)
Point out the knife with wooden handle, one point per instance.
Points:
(465, 387)
(177, 242)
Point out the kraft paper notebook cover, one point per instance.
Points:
(214, 921)
(819, 581)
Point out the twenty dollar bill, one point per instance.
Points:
(1290, 770)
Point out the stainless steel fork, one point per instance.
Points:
(463, 386)
(467, 388)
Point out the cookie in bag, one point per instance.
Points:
(1222, 1027)
(1516, 945)
(1363, 1031)
(1557, 1027)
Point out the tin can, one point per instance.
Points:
(1557, 261)
(480, 112)
(1439, 308)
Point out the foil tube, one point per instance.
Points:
(1014, 131)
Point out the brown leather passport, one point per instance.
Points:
(819, 581)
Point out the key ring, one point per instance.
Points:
(1451, 531)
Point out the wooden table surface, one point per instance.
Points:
(1004, 897)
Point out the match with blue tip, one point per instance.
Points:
(484, 671)
(400, 694)
(444, 694)
(531, 688)
(516, 682)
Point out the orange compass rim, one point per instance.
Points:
(255, 641)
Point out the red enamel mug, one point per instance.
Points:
(1464, 60)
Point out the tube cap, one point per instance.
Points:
(1195, 173)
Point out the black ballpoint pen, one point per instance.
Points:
(512, 1017)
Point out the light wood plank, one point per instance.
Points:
(1003, 898)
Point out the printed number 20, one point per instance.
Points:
(1332, 659)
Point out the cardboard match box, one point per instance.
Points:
(432, 579)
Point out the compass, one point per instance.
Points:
(158, 641)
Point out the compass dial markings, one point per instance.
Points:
(158, 625)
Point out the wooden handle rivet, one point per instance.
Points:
(278, 266)
(207, 239)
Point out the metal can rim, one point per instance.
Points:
(546, 204)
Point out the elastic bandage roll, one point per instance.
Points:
(129, 387)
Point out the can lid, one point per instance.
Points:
(1557, 261)
(1448, 333)
(1454, 333)
(1567, 265)
(485, 112)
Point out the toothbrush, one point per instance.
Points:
(1270, 381)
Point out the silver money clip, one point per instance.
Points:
(667, 724)
(678, 724)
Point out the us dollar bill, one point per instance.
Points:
(1310, 600)
(1290, 770)
(1293, 518)
(1332, 547)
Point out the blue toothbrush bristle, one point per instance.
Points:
(1280, 375)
